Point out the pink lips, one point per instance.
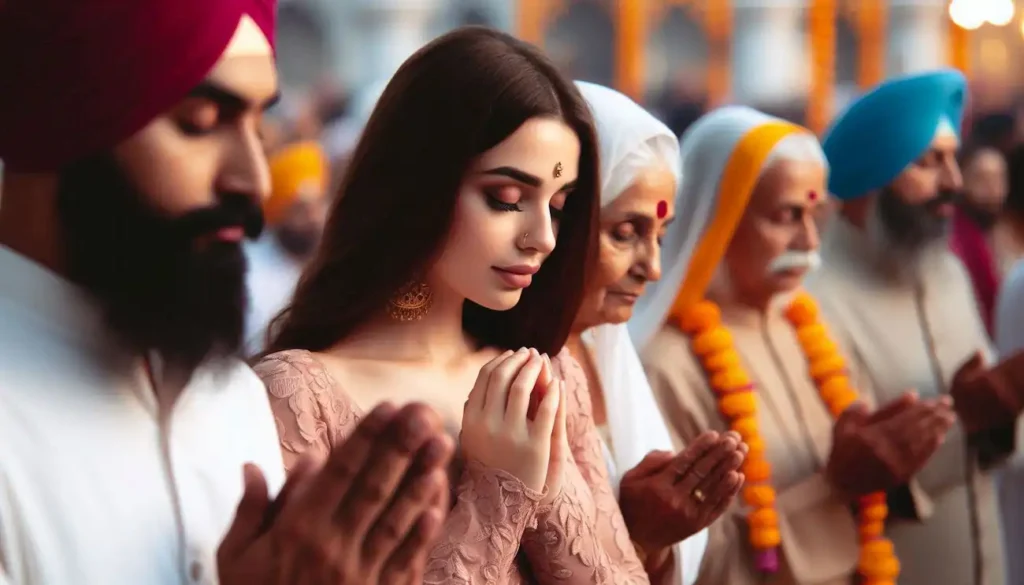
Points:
(517, 276)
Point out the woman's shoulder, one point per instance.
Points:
(286, 372)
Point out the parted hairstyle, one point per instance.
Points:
(454, 99)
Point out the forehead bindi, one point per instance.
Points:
(544, 148)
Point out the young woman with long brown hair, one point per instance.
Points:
(452, 267)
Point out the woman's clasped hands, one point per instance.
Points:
(669, 497)
(514, 420)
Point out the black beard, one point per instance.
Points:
(984, 218)
(298, 242)
(911, 227)
(160, 288)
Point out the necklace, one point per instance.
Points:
(713, 345)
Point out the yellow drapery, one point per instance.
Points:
(631, 29)
(959, 48)
(718, 29)
(871, 21)
(821, 28)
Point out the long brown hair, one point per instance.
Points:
(454, 99)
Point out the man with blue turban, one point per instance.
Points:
(891, 285)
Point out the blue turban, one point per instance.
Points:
(884, 131)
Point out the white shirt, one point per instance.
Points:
(94, 490)
(273, 275)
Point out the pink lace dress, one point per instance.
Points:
(497, 531)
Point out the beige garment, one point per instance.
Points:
(915, 334)
(579, 539)
(819, 531)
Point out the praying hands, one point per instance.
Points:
(668, 498)
(367, 517)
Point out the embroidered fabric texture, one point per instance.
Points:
(497, 532)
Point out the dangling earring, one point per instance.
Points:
(411, 302)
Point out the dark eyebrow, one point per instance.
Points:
(224, 97)
(568, 186)
(516, 175)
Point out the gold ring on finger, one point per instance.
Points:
(698, 495)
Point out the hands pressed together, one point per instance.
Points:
(988, 398)
(366, 516)
(884, 449)
(514, 420)
(668, 498)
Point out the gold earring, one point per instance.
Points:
(411, 302)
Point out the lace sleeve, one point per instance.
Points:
(311, 416)
(483, 530)
(491, 509)
(581, 537)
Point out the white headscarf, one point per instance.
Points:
(706, 149)
(631, 140)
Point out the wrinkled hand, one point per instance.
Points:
(882, 450)
(497, 430)
(988, 398)
(367, 516)
(657, 496)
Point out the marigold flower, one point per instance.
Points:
(757, 470)
(802, 310)
(730, 380)
(722, 360)
(871, 530)
(810, 334)
(711, 340)
(763, 518)
(759, 495)
(746, 426)
(874, 512)
(699, 317)
(737, 404)
(823, 368)
(765, 537)
(755, 447)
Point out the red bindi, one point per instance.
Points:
(662, 209)
(813, 195)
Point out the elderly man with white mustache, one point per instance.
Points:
(744, 349)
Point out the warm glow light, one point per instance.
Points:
(968, 14)
(1000, 12)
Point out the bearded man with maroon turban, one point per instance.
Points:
(135, 447)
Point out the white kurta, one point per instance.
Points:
(272, 277)
(94, 487)
(915, 333)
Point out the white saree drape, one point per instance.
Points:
(630, 140)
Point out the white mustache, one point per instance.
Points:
(795, 260)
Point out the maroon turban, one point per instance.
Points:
(79, 76)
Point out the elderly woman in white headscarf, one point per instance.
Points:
(640, 174)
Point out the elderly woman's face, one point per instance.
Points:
(630, 247)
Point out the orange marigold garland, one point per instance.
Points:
(713, 345)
